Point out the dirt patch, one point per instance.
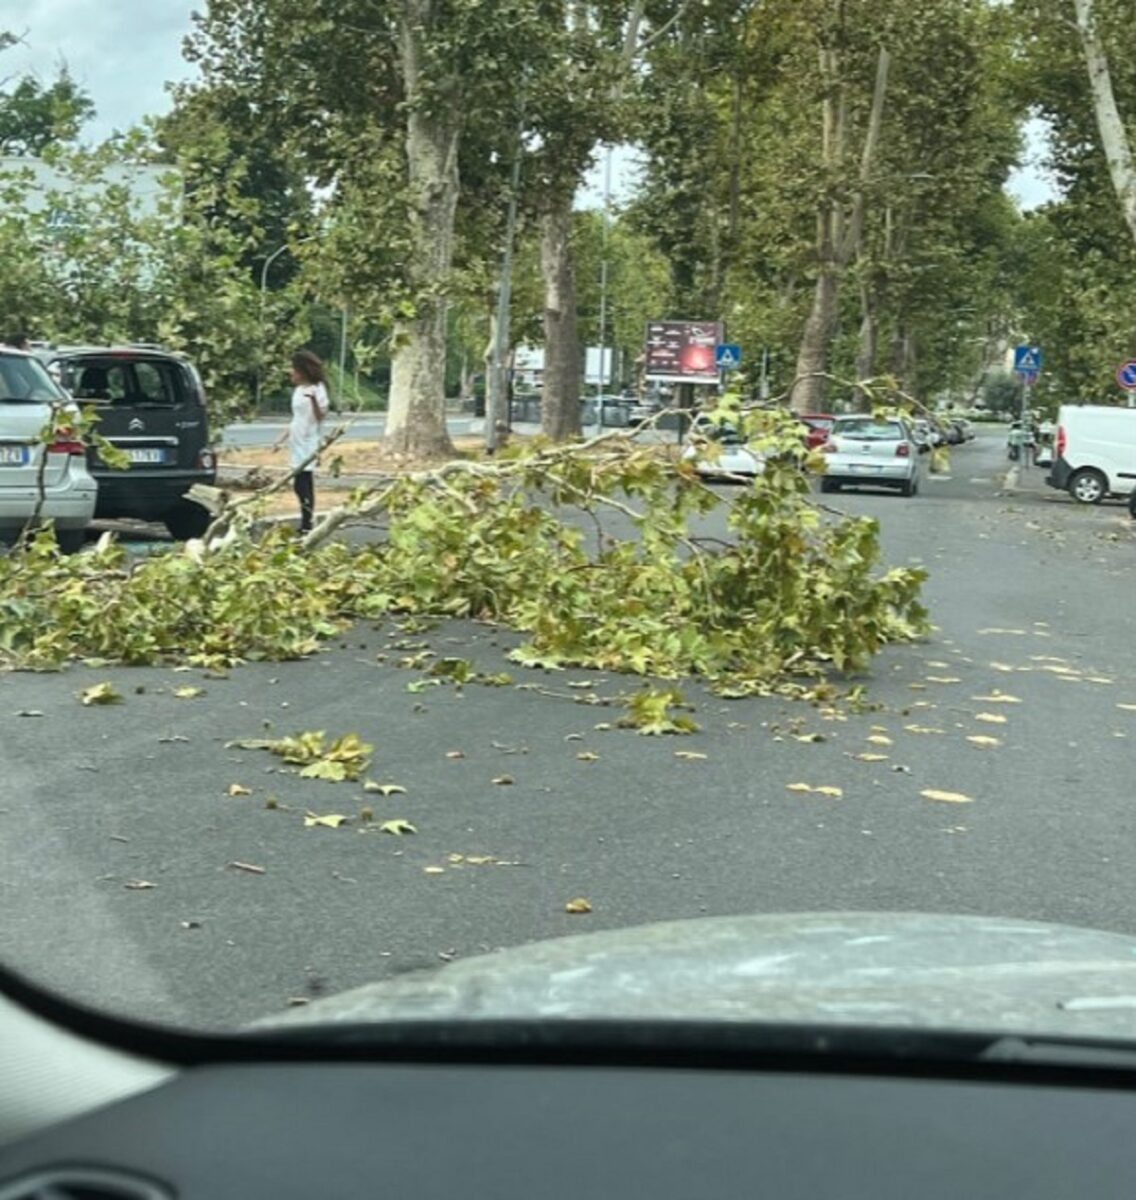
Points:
(344, 458)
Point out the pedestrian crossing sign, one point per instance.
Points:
(728, 356)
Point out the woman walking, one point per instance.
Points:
(310, 405)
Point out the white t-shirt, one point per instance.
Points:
(304, 432)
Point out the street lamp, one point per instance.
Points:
(263, 290)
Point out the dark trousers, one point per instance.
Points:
(305, 487)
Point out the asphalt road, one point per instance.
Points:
(1031, 597)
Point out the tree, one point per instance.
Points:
(1113, 133)
(34, 117)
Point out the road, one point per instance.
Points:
(1031, 598)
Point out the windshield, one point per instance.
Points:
(869, 430)
(24, 379)
(492, 514)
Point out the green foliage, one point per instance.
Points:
(795, 592)
(34, 116)
(343, 759)
(651, 713)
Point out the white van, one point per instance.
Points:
(1094, 452)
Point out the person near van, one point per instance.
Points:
(310, 406)
(18, 341)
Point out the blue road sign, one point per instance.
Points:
(1126, 376)
(1027, 362)
(728, 356)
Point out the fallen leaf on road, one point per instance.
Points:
(946, 797)
(990, 718)
(834, 792)
(690, 756)
(943, 679)
(190, 924)
(798, 787)
(1009, 632)
(238, 789)
(398, 826)
(580, 683)
(1098, 679)
(1000, 666)
(879, 739)
(139, 885)
(917, 687)
(173, 737)
(433, 870)
(979, 740)
(939, 666)
(1127, 707)
(330, 821)
(29, 712)
(922, 729)
(579, 905)
(603, 727)
(809, 738)
(872, 758)
(455, 754)
(250, 868)
(384, 789)
(503, 780)
(997, 698)
(188, 693)
(588, 756)
(99, 693)
(573, 737)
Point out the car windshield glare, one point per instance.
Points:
(870, 430)
(25, 380)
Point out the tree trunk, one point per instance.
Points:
(416, 420)
(1114, 136)
(869, 338)
(560, 398)
(838, 238)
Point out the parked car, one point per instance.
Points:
(881, 452)
(818, 427)
(642, 410)
(151, 404)
(1094, 452)
(717, 449)
(27, 394)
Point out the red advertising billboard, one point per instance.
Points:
(682, 351)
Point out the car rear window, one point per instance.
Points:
(122, 382)
(25, 379)
(870, 430)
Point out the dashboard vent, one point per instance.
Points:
(83, 1183)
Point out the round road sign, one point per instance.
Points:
(1126, 376)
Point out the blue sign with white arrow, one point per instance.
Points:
(1027, 362)
(728, 356)
(1126, 376)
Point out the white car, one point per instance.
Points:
(1094, 452)
(718, 450)
(868, 451)
(27, 394)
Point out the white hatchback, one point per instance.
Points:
(27, 396)
(719, 451)
(867, 451)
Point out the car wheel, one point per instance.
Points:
(907, 488)
(187, 520)
(829, 485)
(70, 541)
(1088, 486)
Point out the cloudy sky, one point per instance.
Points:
(121, 51)
(124, 51)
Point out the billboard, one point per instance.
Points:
(682, 351)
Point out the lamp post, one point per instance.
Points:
(263, 291)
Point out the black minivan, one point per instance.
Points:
(151, 404)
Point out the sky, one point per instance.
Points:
(123, 51)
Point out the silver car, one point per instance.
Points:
(870, 451)
(27, 394)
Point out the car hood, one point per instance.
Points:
(888, 969)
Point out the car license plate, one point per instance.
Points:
(13, 456)
(147, 455)
(866, 468)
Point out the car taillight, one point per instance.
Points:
(1062, 441)
(903, 450)
(66, 445)
(206, 460)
